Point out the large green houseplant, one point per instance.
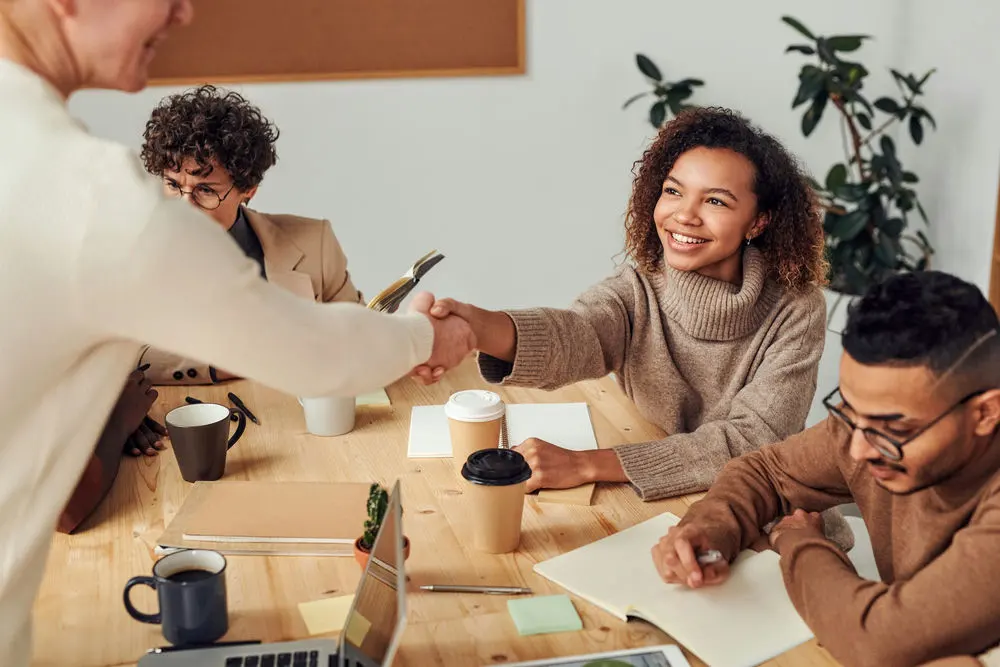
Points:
(869, 197)
(670, 96)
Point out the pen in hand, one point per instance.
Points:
(239, 404)
(710, 556)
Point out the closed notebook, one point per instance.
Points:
(273, 512)
(743, 622)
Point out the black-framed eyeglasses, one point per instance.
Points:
(203, 196)
(887, 446)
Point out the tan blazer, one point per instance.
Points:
(300, 254)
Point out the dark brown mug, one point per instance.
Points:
(199, 434)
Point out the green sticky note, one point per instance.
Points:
(544, 614)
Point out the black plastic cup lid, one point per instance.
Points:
(496, 467)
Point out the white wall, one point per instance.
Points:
(522, 181)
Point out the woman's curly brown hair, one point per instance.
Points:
(792, 241)
(206, 123)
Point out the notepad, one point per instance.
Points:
(326, 616)
(751, 610)
(251, 514)
(377, 397)
(565, 424)
(544, 614)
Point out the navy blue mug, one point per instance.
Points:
(190, 586)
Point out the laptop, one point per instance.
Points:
(371, 632)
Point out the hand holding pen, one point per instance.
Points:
(686, 555)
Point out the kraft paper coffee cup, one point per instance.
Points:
(474, 419)
(496, 481)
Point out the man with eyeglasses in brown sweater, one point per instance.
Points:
(912, 438)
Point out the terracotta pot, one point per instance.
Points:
(361, 554)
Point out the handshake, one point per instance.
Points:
(458, 331)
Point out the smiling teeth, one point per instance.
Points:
(680, 238)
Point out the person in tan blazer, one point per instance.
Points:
(211, 147)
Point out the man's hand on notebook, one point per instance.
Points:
(453, 341)
(676, 557)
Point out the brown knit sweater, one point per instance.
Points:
(937, 550)
(723, 369)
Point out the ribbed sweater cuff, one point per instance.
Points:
(531, 357)
(655, 471)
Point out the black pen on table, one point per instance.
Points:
(239, 404)
(143, 368)
(169, 649)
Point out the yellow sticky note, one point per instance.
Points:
(358, 629)
(325, 616)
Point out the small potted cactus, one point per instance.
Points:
(378, 502)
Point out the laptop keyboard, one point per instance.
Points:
(297, 659)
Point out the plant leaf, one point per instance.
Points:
(658, 114)
(888, 147)
(826, 54)
(887, 104)
(815, 184)
(887, 251)
(846, 43)
(922, 214)
(864, 121)
(893, 227)
(852, 192)
(647, 67)
(910, 177)
(850, 225)
(923, 79)
(690, 82)
(801, 48)
(811, 79)
(830, 221)
(836, 177)
(916, 129)
(633, 99)
(923, 239)
(814, 113)
(926, 114)
(798, 26)
(674, 102)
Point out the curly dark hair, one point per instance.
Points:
(924, 318)
(206, 123)
(792, 242)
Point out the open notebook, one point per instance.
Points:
(565, 424)
(740, 623)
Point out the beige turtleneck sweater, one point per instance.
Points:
(722, 368)
(936, 549)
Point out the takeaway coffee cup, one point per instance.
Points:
(496, 481)
(474, 420)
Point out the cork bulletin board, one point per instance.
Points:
(297, 40)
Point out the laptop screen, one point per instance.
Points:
(375, 623)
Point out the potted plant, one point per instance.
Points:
(378, 502)
(869, 197)
(670, 95)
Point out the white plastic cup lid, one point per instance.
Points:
(474, 405)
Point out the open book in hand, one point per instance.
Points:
(741, 622)
(388, 300)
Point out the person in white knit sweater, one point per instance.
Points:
(94, 259)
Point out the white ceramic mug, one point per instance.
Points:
(329, 415)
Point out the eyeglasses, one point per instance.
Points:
(887, 446)
(203, 196)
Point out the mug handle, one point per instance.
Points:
(133, 612)
(239, 428)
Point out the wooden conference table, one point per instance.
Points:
(80, 619)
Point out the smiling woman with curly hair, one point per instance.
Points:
(714, 329)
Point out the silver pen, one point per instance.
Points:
(710, 556)
(489, 590)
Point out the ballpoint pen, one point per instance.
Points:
(489, 590)
(709, 557)
(239, 404)
(170, 649)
